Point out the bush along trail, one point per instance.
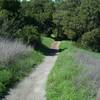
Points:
(17, 60)
(33, 87)
(75, 75)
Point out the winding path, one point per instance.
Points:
(33, 87)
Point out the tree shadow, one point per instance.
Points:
(47, 51)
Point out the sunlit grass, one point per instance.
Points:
(47, 41)
(62, 81)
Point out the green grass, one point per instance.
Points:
(19, 67)
(44, 47)
(47, 41)
(62, 83)
(22, 66)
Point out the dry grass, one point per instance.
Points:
(90, 77)
(12, 49)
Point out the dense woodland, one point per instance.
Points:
(26, 20)
(76, 20)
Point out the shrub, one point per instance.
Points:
(16, 61)
(12, 5)
(2, 88)
(5, 77)
(91, 39)
(70, 34)
(9, 50)
(29, 34)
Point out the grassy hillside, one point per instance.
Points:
(16, 61)
(71, 79)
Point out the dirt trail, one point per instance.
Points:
(33, 87)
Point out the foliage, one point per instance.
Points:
(69, 4)
(92, 39)
(2, 88)
(16, 16)
(17, 60)
(5, 76)
(62, 84)
(39, 13)
(78, 17)
(10, 49)
(5, 79)
(29, 34)
(44, 11)
(70, 34)
(47, 41)
(10, 5)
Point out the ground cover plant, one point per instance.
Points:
(16, 61)
(70, 79)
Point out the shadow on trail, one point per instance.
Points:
(47, 51)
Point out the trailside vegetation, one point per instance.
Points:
(75, 75)
(22, 24)
(76, 20)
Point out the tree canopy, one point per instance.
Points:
(77, 18)
(65, 19)
(16, 15)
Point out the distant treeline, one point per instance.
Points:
(79, 20)
(26, 20)
(76, 20)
